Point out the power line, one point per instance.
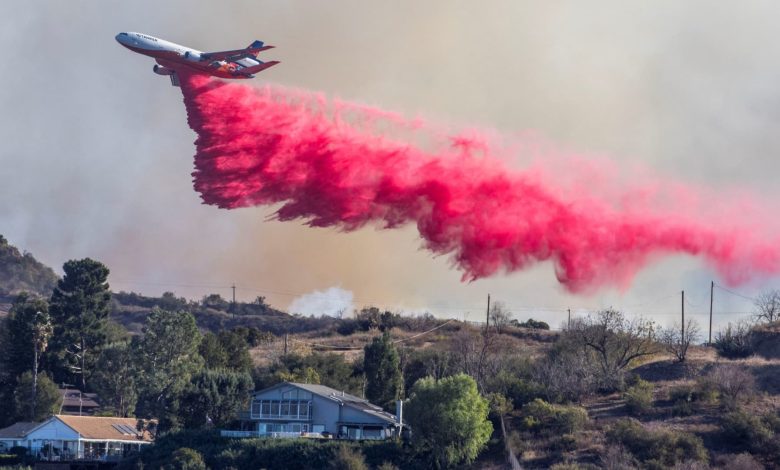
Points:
(752, 299)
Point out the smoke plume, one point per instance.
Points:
(333, 302)
(345, 166)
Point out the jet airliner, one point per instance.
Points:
(239, 63)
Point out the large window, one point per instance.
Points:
(268, 428)
(281, 409)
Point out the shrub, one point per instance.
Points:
(617, 458)
(734, 384)
(532, 324)
(686, 399)
(542, 417)
(387, 466)
(523, 391)
(743, 461)
(657, 448)
(186, 459)
(747, 429)
(347, 458)
(734, 342)
(499, 405)
(639, 397)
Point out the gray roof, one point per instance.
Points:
(352, 401)
(17, 430)
(74, 398)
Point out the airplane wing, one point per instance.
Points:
(236, 54)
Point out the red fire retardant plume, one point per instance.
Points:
(334, 165)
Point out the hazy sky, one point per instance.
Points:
(96, 154)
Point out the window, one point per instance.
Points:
(266, 407)
(274, 408)
(285, 408)
(256, 409)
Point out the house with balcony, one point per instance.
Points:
(306, 410)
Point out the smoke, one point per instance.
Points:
(333, 302)
(333, 164)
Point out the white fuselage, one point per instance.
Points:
(172, 55)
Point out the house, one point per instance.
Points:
(306, 410)
(66, 437)
(13, 435)
(76, 403)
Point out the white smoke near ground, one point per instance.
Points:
(333, 302)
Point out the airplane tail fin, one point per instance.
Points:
(260, 67)
(256, 45)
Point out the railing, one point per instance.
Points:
(297, 417)
(511, 458)
(251, 434)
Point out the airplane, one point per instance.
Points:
(239, 63)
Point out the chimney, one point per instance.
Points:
(342, 393)
(399, 414)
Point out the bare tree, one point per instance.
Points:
(767, 306)
(481, 355)
(500, 316)
(568, 376)
(677, 341)
(615, 342)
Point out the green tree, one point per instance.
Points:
(381, 363)
(215, 396)
(449, 419)
(27, 328)
(28, 331)
(115, 378)
(228, 349)
(79, 309)
(46, 401)
(166, 357)
(214, 355)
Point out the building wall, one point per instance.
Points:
(325, 412)
(52, 430)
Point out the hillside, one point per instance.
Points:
(212, 314)
(22, 272)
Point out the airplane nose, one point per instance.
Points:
(120, 38)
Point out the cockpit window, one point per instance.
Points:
(123, 34)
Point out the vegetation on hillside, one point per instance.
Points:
(609, 391)
(21, 272)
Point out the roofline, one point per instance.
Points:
(338, 398)
(46, 421)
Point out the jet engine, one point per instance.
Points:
(162, 70)
(192, 56)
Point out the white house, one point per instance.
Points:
(65, 437)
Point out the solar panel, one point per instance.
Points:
(125, 429)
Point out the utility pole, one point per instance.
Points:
(285, 344)
(682, 325)
(712, 293)
(233, 306)
(569, 323)
(487, 318)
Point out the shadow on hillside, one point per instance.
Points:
(668, 370)
(768, 378)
